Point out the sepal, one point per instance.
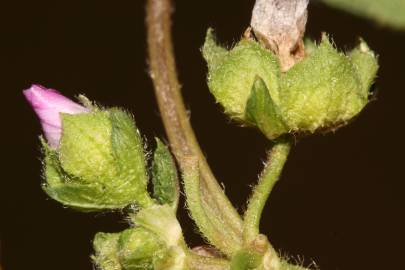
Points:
(262, 112)
(162, 221)
(366, 64)
(322, 91)
(164, 176)
(231, 73)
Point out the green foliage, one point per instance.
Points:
(100, 163)
(384, 12)
(164, 176)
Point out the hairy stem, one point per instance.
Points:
(197, 262)
(220, 238)
(175, 118)
(271, 173)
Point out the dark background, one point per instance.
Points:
(341, 199)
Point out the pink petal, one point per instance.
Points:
(48, 104)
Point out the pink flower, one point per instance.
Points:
(48, 104)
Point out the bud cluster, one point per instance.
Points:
(94, 160)
(156, 242)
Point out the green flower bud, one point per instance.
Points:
(106, 251)
(322, 92)
(132, 249)
(140, 249)
(99, 163)
(232, 73)
(155, 243)
(326, 89)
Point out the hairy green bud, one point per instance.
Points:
(99, 163)
(322, 92)
(140, 249)
(106, 251)
(156, 242)
(232, 73)
(132, 249)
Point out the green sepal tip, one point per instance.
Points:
(263, 112)
(232, 73)
(164, 176)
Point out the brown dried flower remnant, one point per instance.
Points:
(280, 25)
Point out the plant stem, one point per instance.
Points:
(271, 173)
(217, 234)
(175, 118)
(196, 262)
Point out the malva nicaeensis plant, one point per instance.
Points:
(94, 158)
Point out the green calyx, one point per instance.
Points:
(156, 242)
(162, 221)
(106, 251)
(140, 249)
(100, 163)
(232, 73)
(326, 89)
(322, 92)
(132, 249)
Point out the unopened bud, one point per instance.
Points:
(94, 158)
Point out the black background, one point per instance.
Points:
(341, 198)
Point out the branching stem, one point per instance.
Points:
(175, 118)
